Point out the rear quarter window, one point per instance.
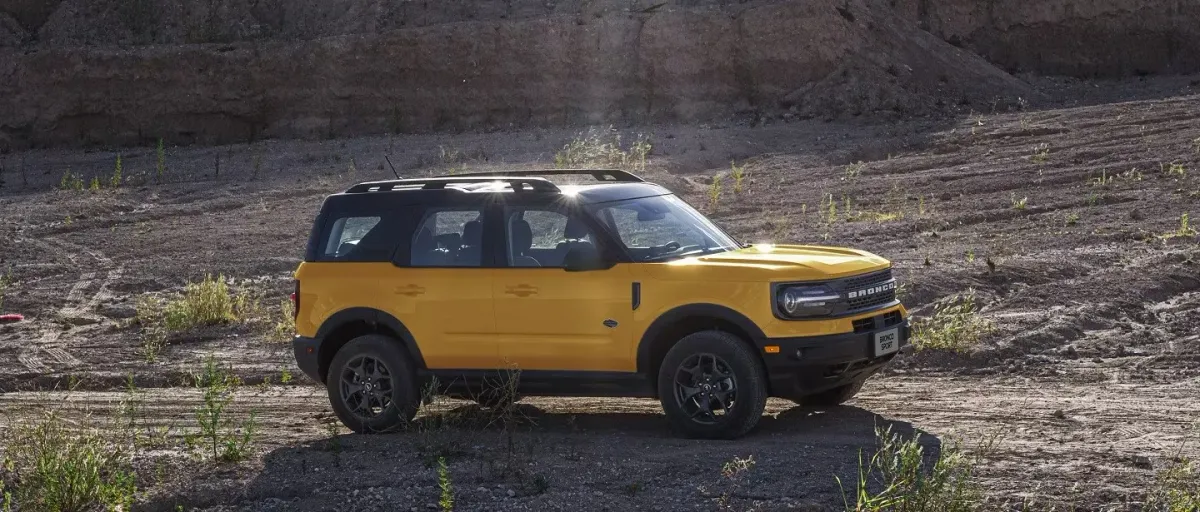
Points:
(360, 238)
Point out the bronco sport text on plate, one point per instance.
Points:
(614, 288)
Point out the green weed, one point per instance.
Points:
(95, 186)
(1041, 154)
(714, 192)
(219, 436)
(739, 175)
(970, 256)
(853, 171)
(446, 500)
(603, 148)
(118, 173)
(1175, 170)
(285, 376)
(1072, 219)
(955, 325)
(70, 181)
(1018, 204)
(207, 302)
(1101, 181)
(1185, 229)
(909, 480)
(1176, 489)
(56, 469)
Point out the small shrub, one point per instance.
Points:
(1041, 154)
(853, 171)
(70, 181)
(207, 302)
(602, 148)
(910, 480)
(57, 469)
(1072, 219)
(955, 325)
(1175, 170)
(1018, 204)
(1101, 181)
(739, 175)
(714, 192)
(1176, 489)
(118, 174)
(95, 186)
(219, 436)
(285, 376)
(446, 500)
(970, 256)
(829, 209)
(285, 328)
(1185, 229)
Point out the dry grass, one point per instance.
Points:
(603, 148)
(955, 325)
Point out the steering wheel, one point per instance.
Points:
(671, 246)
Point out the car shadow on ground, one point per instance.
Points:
(797, 454)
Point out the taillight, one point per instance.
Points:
(296, 302)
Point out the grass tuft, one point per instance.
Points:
(1018, 204)
(207, 302)
(910, 480)
(603, 148)
(739, 176)
(714, 192)
(955, 325)
(50, 467)
(1041, 154)
(446, 500)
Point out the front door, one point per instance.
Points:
(548, 318)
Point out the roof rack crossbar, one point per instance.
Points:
(517, 183)
(598, 174)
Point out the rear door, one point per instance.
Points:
(546, 317)
(441, 287)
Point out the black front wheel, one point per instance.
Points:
(372, 385)
(712, 386)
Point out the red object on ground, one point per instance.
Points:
(4, 319)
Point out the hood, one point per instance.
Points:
(777, 262)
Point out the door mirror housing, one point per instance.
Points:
(580, 259)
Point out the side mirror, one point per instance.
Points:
(580, 259)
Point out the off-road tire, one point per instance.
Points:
(748, 375)
(833, 397)
(405, 393)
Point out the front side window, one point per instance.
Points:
(662, 228)
(448, 238)
(543, 237)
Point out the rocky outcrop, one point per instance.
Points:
(812, 58)
(1084, 38)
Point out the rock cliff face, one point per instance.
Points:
(82, 72)
(1084, 38)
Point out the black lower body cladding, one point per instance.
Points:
(809, 365)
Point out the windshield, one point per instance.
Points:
(662, 228)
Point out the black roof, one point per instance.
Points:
(610, 185)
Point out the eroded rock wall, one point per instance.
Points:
(812, 58)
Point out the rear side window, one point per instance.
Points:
(448, 238)
(365, 238)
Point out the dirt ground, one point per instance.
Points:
(1066, 222)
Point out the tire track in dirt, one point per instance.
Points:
(78, 308)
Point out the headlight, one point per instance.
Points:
(804, 301)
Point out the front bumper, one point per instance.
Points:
(307, 351)
(806, 365)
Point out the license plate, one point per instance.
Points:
(887, 342)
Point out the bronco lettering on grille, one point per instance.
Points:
(872, 290)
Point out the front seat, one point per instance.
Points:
(472, 243)
(575, 233)
(522, 240)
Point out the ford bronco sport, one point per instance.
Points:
(608, 288)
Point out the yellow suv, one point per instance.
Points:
(612, 287)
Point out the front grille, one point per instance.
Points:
(861, 282)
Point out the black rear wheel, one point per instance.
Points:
(712, 386)
(372, 385)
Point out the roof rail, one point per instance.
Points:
(517, 183)
(598, 174)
